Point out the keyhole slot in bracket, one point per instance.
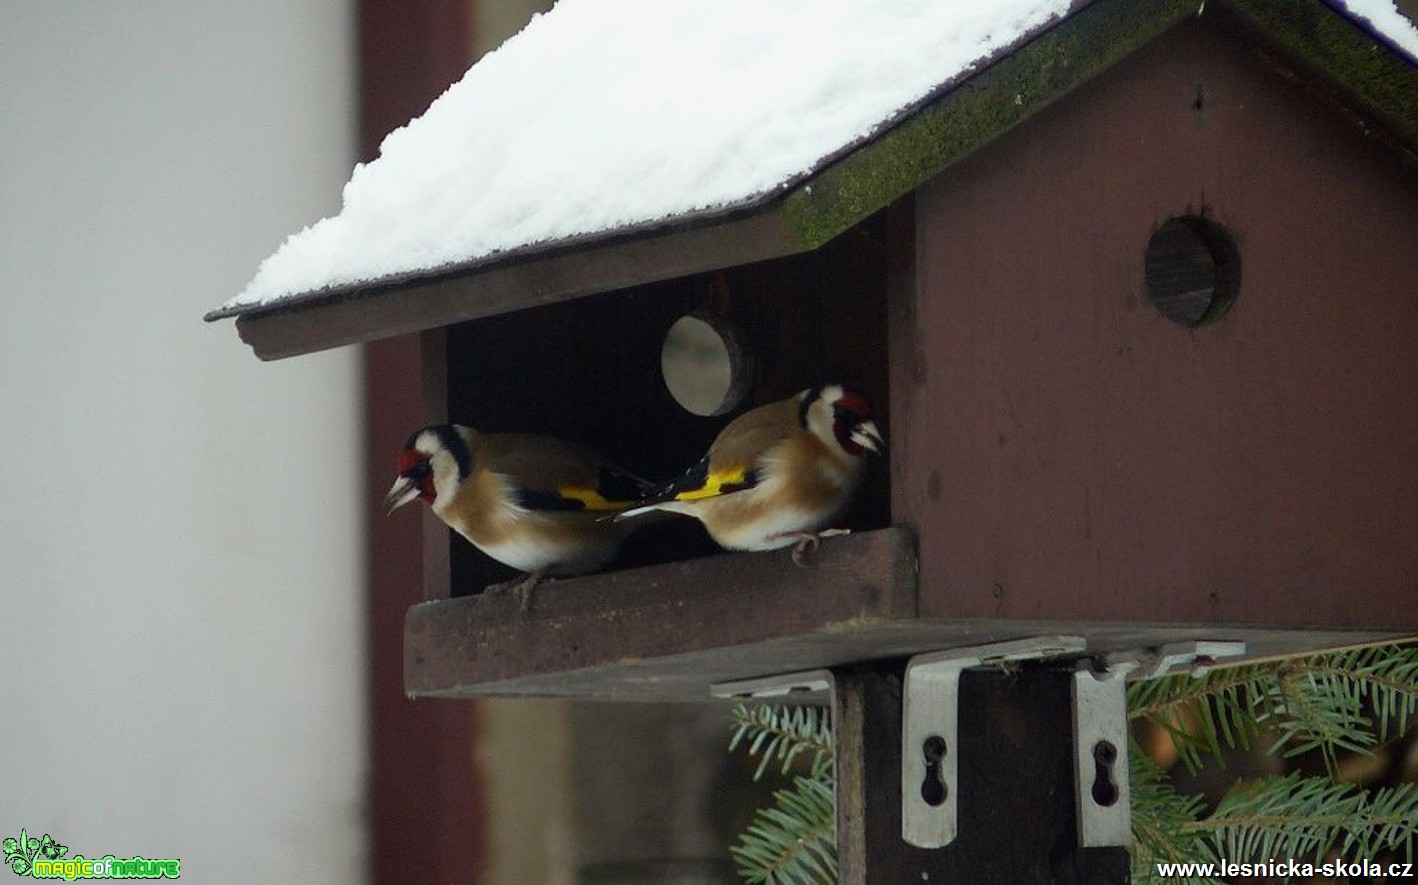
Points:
(933, 788)
(1105, 788)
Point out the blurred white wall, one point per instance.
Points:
(181, 578)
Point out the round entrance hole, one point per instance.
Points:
(705, 364)
(1193, 270)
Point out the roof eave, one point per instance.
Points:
(418, 302)
(1362, 69)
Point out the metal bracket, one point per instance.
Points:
(930, 730)
(1198, 655)
(1101, 788)
(930, 726)
(808, 686)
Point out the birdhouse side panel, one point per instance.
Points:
(1067, 452)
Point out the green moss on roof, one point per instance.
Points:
(1016, 86)
(1377, 81)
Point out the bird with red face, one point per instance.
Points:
(535, 503)
(777, 475)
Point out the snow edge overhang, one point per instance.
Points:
(956, 119)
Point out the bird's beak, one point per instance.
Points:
(868, 437)
(403, 491)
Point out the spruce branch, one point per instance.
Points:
(1203, 715)
(783, 733)
(1309, 714)
(1384, 676)
(1311, 703)
(1289, 816)
(1160, 816)
(794, 841)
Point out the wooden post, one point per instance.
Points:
(1016, 794)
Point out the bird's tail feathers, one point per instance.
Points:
(633, 512)
(647, 509)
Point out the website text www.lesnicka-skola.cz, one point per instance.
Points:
(1291, 868)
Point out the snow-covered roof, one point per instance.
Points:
(604, 117)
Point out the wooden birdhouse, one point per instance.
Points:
(1133, 286)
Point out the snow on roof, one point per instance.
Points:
(602, 115)
(1386, 21)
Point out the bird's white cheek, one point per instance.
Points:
(445, 487)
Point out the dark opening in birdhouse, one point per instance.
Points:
(1193, 270)
(591, 370)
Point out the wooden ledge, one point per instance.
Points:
(667, 631)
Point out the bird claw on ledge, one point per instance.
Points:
(521, 587)
(808, 541)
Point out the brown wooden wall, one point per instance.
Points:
(1067, 453)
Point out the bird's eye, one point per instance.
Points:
(419, 470)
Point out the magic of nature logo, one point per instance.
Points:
(45, 858)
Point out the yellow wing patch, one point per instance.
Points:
(718, 482)
(590, 498)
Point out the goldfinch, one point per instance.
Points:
(777, 475)
(534, 503)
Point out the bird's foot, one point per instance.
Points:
(520, 587)
(808, 541)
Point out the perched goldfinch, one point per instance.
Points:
(777, 475)
(534, 503)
